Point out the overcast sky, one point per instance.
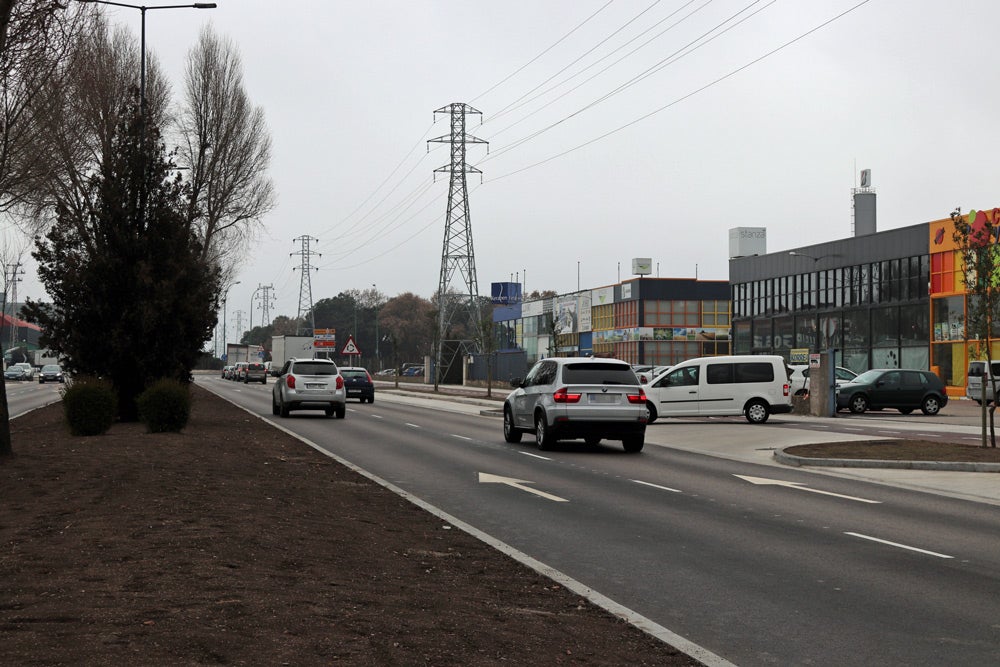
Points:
(723, 136)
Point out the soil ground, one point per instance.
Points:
(233, 543)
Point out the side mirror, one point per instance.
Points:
(516, 383)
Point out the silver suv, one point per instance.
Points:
(309, 384)
(568, 398)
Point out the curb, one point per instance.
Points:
(957, 466)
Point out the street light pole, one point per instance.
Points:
(142, 82)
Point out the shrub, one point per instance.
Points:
(165, 406)
(90, 405)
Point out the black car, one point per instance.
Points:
(50, 373)
(359, 384)
(901, 389)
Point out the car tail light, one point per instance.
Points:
(787, 389)
(340, 382)
(290, 381)
(641, 396)
(563, 396)
(368, 375)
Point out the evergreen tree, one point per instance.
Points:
(132, 299)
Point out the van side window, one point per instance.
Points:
(719, 374)
(682, 377)
(754, 371)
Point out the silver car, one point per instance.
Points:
(309, 384)
(566, 398)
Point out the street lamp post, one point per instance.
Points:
(225, 296)
(142, 81)
(378, 358)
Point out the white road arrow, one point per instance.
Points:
(486, 478)
(800, 487)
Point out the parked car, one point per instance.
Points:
(754, 386)
(358, 384)
(644, 373)
(799, 379)
(29, 370)
(14, 372)
(309, 384)
(413, 371)
(977, 377)
(566, 398)
(902, 389)
(51, 373)
(255, 372)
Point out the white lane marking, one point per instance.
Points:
(536, 456)
(487, 478)
(657, 486)
(897, 544)
(798, 486)
(412, 425)
(460, 437)
(377, 417)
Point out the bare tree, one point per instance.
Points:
(226, 146)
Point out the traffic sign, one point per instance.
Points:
(350, 347)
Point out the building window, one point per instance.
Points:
(949, 318)
(603, 317)
(805, 331)
(626, 315)
(715, 314)
(944, 269)
(742, 338)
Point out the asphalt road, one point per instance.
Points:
(830, 572)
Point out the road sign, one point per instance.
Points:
(324, 338)
(350, 347)
(225, 357)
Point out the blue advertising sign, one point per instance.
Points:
(505, 293)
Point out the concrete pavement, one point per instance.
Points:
(739, 441)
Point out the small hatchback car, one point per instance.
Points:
(309, 384)
(904, 390)
(358, 383)
(566, 398)
(255, 372)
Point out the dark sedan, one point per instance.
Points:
(358, 384)
(50, 373)
(900, 389)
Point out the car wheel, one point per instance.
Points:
(274, 406)
(282, 407)
(328, 411)
(801, 392)
(543, 436)
(510, 432)
(931, 405)
(652, 412)
(858, 404)
(906, 411)
(633, 443)
(340, 411)
(757, 412)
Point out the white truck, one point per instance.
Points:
(236, 352)
(284, 348)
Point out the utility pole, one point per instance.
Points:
(457, 252)
(11, 280)
(305, 282)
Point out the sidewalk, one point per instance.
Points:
(739, 441)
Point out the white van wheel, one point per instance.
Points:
(757, 412)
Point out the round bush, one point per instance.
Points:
(165, 406)
(90, 405)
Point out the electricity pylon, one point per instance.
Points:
(457, 253)
(305, 283)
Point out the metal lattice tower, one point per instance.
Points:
(305, 283)
(457, 253)
(265, 303)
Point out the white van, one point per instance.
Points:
(752, 385)
(975, 377)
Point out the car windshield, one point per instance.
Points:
(314, 368)
(867, 377)
(50, 369)
(598, 373)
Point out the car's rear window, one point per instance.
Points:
(256, 367)
(313, 368)
(354, 373)
(598, 373)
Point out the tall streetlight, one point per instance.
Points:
(225, 296)
(378, 359)
(142, 81)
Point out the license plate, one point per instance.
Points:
(315, 385)
(603, 398)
